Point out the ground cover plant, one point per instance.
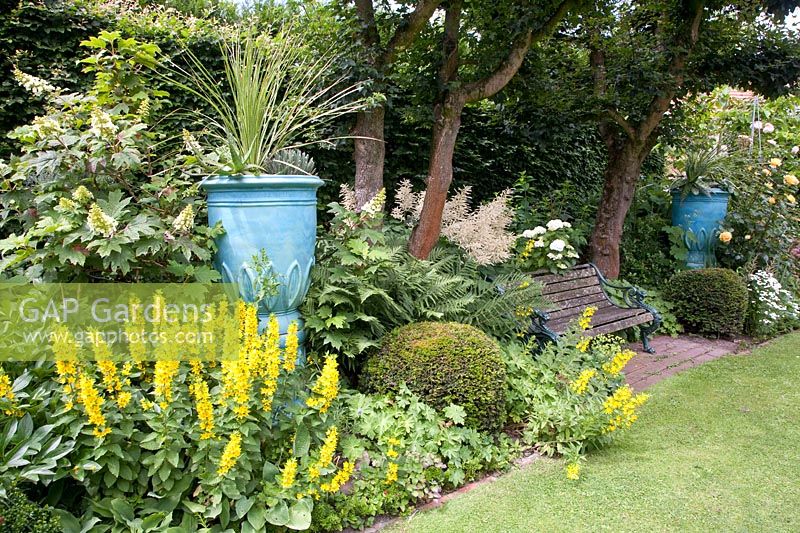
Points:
(674, 470)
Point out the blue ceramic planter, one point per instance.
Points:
(700, 217)
(274, 213)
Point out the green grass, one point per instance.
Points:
(716, 449)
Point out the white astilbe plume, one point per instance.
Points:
(408, 204)
(405, 200)
(482, 233)
(457, 207)
(347, 197)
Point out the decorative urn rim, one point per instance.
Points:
(712, 191)
(248, 181)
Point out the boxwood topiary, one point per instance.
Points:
(444, 363)
(709, 301)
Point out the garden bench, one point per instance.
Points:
(619, 306)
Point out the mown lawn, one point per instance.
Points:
(716, 449)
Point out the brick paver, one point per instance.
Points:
(674, 355)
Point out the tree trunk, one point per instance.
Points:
(369, 154)
(621, 174)
(440, 175)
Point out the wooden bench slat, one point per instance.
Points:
(604, 316)
(571, 295)
(622, 324)
(575, 307)
(582, 271)
(570, 285)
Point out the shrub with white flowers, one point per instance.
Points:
(773, 309)
(549, 247)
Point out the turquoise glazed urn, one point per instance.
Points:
(700, 216)
(277, 214)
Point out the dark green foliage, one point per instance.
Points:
(709, 301)
(648, 248)
(41, 40)
(20, 515)
(445, 363)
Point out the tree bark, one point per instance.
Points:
(370, 153)
(440, 174)
(370, 148)
(447, 115)
(629, 144)
(620, 175)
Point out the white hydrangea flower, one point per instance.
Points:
(528, 234)
(102, 125)
(567, 225)
(539, 243)
(100, 222)
(539, 230)
(184, 222)
(37, 86)
(555, 224)
(558, 245)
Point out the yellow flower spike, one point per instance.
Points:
(392, 453)
(92, 402)
(5, 386)
(205, 409)
(291, 350)
(230, 454)
(585, 321)
(328, 447)
(619, 361)
(326, 453)
(583, 345)
(341, 477)
(391, 473)
(326, 387)
(165, 372)
(573, 471)
(582, 383)
(288, 473)
(123, 399)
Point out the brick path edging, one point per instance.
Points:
(674, 355)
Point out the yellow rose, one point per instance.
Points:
(791, 199)
(766, 172)
(726, 236)
(790, 179)
(769, 185)
(775, 162)
(771, 200)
